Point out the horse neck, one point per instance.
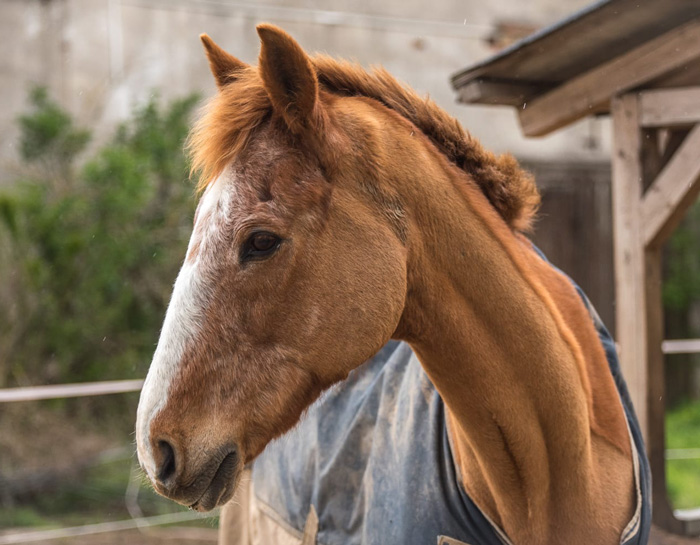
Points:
(509, 345)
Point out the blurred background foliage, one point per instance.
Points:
(92, 240)
(681, 296)
(681, 289)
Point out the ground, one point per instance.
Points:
(153, 536)
(203, 536)
(659, 537)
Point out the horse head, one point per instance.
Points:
(295, 272)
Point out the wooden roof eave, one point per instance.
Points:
(591, 92)
(572, 69)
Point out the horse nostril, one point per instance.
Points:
(166, 468)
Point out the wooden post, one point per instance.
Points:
(630, 310)
(638, 281)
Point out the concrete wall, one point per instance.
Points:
(100, 58)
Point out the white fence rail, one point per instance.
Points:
(681, 346)
(58, 391)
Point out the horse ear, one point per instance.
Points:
(288, 76)
(223, 65)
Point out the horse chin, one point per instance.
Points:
(210, 486)
(223, 485)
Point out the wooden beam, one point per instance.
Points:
(509, 93)
(687, 75)
(588, 92)
(669, 107)
(672, 192)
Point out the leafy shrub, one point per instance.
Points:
(89, 249)
(683, 466)
(682, 275)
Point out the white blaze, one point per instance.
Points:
(183, 321)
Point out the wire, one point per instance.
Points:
(101, 528)
(422, 27)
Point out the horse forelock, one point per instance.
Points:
(226, 124)
(239, 108)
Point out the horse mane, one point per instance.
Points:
(233, 114)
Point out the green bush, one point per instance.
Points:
(682, 275)
(683, 474)
(90, 247)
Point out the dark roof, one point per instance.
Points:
(571, 47)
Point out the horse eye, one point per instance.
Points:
(260, 245)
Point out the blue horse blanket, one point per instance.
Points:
(356, 460)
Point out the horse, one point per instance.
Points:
(340, 210)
